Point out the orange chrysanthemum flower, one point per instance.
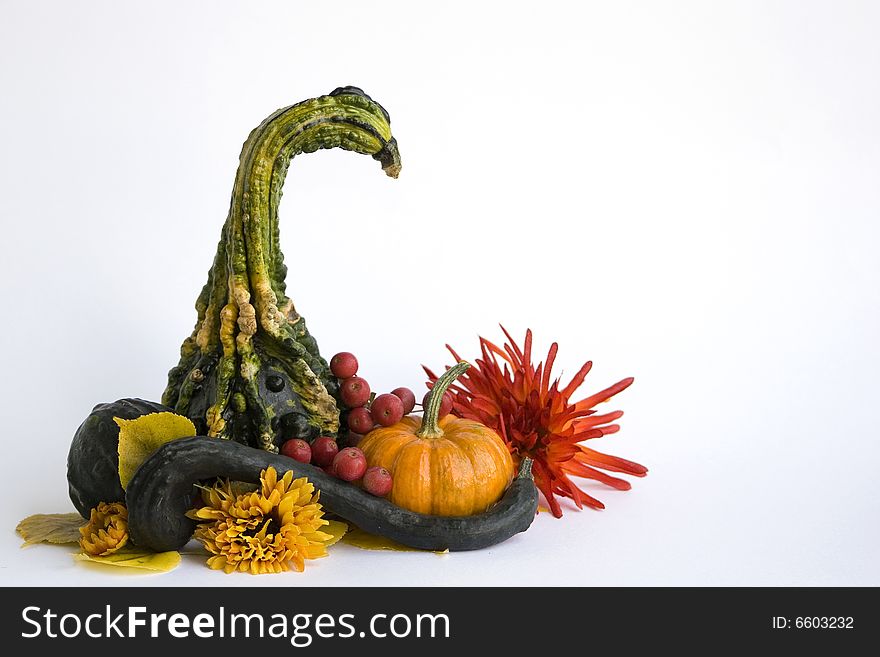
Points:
(536, 418)
(106, 531)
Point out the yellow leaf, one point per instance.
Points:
(139, 438)
(336, 529)
(361, 539)
(135, 557)
(51, 528)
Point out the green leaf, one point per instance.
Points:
(134, 557)
(51, 528)
(139, 438)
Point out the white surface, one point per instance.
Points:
(682, 192)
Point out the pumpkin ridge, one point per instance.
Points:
(506, 458)
(463, 448)
(417, 485)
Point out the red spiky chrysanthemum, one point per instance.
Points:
(536, 419)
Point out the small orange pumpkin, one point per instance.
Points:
(450, 467)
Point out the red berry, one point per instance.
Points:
(298, 450)
(355, 391)
(445, 404)
(360, 420)
(378, 481)
(408, 398)
(387, 410)
(344, 365)
(323, 451)
(350, 464)
(353, 439)
(330, 470)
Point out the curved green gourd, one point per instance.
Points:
(251, 371)
(161, 491)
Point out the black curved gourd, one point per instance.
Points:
(159, 495)
(251, 371)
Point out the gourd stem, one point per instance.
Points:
(430, 427)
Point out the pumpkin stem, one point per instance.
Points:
(525, 469)
(430, 427)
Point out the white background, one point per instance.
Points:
(683, 192)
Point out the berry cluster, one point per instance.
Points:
(348, 464)
(365, 410)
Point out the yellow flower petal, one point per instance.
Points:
(270, 530)
(268, 478)
(106, 531)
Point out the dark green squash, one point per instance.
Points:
(93, 460)
(159, 495)
(251, 371)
